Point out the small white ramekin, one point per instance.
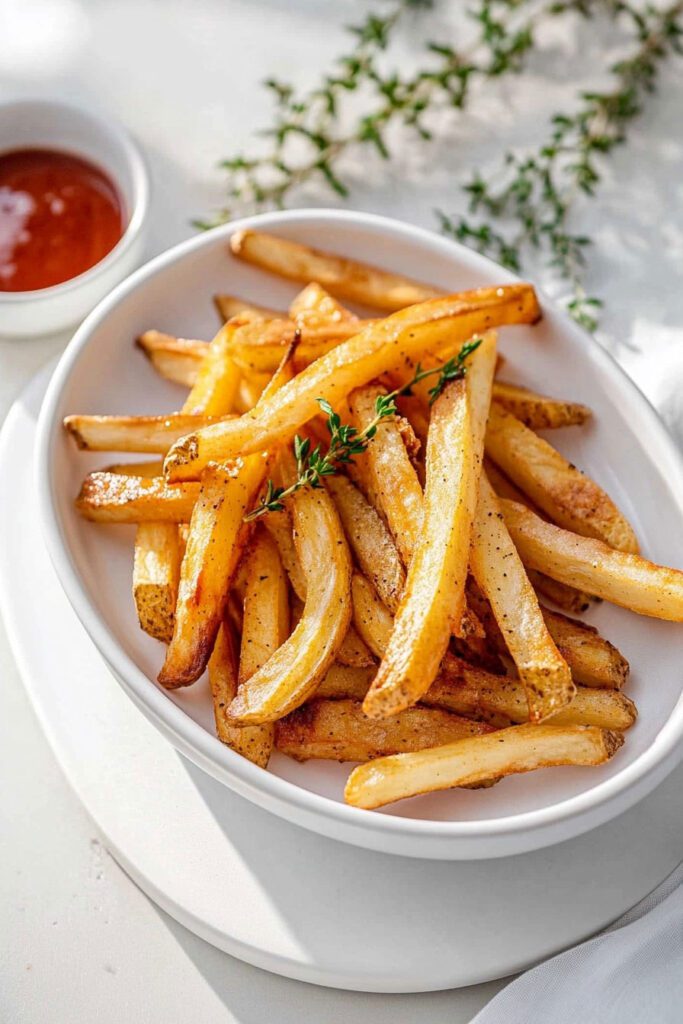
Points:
(45, 124)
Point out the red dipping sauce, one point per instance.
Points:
(59, 216)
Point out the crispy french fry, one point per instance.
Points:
(216, 540)
(618, 576)
(265, 623)
(345, 278)
(112, 498)
(279, 526)
(213, 392)
(151, 434)
(292, 674)
(314, 305)
(567, 598)
(538, 411)
(521, 748)
(500, 575)
(338, 730)
(370, 541)
(497, 699)
(594, 661)
(254, 742)
(176, 359)
(501, 700)
(386, 472)
(571, 499)
(229, 306)
(354, 652)
(371, 617)
(156, 572)
(259, 345)
(434, 596)
(352, 364)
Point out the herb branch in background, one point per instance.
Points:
(533, 193)
(527, 204)
(346, 441)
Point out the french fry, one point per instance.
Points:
(370, 541)
(113, 498)
(217, 536)
(594, 661)
(338, 730)
(386, 472)
(156, 573)
(502, 701)
(144, 434)
(216, 540)
(538, 411)
(572, 500)
(213, 392)
(229, 306)
(521, 748)
(265, 626)
(371, 617)
(259, 345)
(567, 598)
(497, 699)
(314, 305)
(345, 278)
(434, 596)
(500, 575)
(292, 674)
(279, 526)
(176, 359)
(253, 741)
(354, 652)
(617, 576)
(352, 364)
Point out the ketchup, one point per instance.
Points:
(59, 216)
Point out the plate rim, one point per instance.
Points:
(206, 750)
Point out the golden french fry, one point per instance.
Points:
(152, 434)
(344, 681)
(594, 661)
(254, 742)
(618, 576)
(338, 730)
(500, 575)
(571, 499)
(213, 392)
(371, 617)
(538, 411)
(279, 526)
(354, 652)
(229, 306)
(567, 598)
(521, 748)
(386, 472)
(291, 675)
(370, 541)
(434, 596)
(349, 365)
(156, 572)
(265, 624)
(259, 345)
(112, 498)
(217, 537)
(314, 305)
(176, 359)
(345, 278)
(502, 701)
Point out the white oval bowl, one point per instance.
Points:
(625, 447)
(47, 124)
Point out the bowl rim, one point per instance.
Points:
(140, 188)
(193, 737)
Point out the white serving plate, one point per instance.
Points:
(183, 837)
(626, 448)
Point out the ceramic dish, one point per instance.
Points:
(45, 124)
(626, 448)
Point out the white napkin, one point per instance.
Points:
(630, 974)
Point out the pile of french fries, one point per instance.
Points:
(396, 614)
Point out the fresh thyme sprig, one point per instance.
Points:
(311, 132)
(533, 194)
(346, 441)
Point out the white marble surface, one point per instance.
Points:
(79, 942)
